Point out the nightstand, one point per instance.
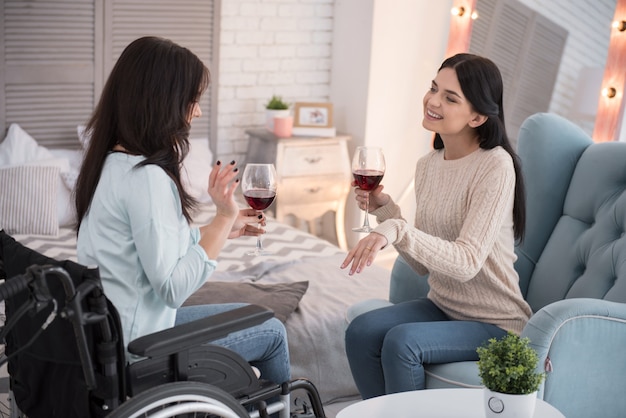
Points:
(314, 175)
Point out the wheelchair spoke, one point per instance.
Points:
(181, 399)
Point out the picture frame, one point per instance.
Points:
(313, 115)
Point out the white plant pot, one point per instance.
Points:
(270, 114)
(504, 405)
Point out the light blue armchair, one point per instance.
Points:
(572, 268)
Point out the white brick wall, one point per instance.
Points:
(269, 47)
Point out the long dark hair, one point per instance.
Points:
(481, 84)
(145, 107)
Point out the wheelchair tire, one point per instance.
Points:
(181, 399)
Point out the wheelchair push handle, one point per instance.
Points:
(33, 279)
(12, 287)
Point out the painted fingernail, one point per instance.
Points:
(235, 170)
(232, 162)
(236, 180)
(260, 216)
(218, 162)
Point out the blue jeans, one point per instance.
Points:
(264, 346)
(388, 347)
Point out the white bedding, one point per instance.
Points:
(316, 329)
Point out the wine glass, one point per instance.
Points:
(259, 190)
(368, 169)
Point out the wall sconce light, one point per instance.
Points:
(609, 92)
(620, 25)
(460, 11)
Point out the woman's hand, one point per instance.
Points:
(247, 224)
(222, 187)
(377, 197)
(364, 253)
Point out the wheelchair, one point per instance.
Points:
(66, 356)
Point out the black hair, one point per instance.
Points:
(145, 107)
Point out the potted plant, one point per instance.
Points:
(508, 369)
(275, 108)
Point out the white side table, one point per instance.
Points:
(314, 175)
(432, 403)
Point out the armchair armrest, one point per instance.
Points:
(580, 343)
(575, 316)
(181, 337)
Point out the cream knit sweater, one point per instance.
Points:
(463, 236)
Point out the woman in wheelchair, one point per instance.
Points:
(134, 214)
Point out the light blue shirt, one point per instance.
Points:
(149, 257)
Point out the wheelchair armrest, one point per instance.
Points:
(181, 337)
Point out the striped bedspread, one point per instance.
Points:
(286, 242)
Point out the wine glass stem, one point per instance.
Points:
(259, 243)
(366, 221)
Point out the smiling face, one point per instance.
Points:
(446, 110)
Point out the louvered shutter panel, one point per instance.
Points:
(527, 48)
(537, 72)
(48, 64)
(189, 23)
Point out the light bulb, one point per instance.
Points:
(620, 25)
(458, 11)
(609, 92)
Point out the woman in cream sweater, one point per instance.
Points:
(470, 210)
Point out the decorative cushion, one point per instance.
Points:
(282, 298)
(19, 148)
(28, 202)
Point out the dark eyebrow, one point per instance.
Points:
(452, 92)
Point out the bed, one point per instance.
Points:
(301, 281)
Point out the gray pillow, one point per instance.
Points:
(282, 298)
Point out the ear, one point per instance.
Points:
(477, 120)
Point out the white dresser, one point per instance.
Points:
(314, 175)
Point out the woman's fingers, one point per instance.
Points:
(221, 178)
(364, 253)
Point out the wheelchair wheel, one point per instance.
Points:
(181, 399)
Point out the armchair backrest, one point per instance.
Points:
(576, 214)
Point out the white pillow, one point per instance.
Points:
(28, 200)
(83, 135)
(65, 203)
(18, 148)
(196, 168)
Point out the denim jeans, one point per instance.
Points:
(264, 346)
(388, 347)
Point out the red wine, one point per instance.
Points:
(368, 179)
(259, 199)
